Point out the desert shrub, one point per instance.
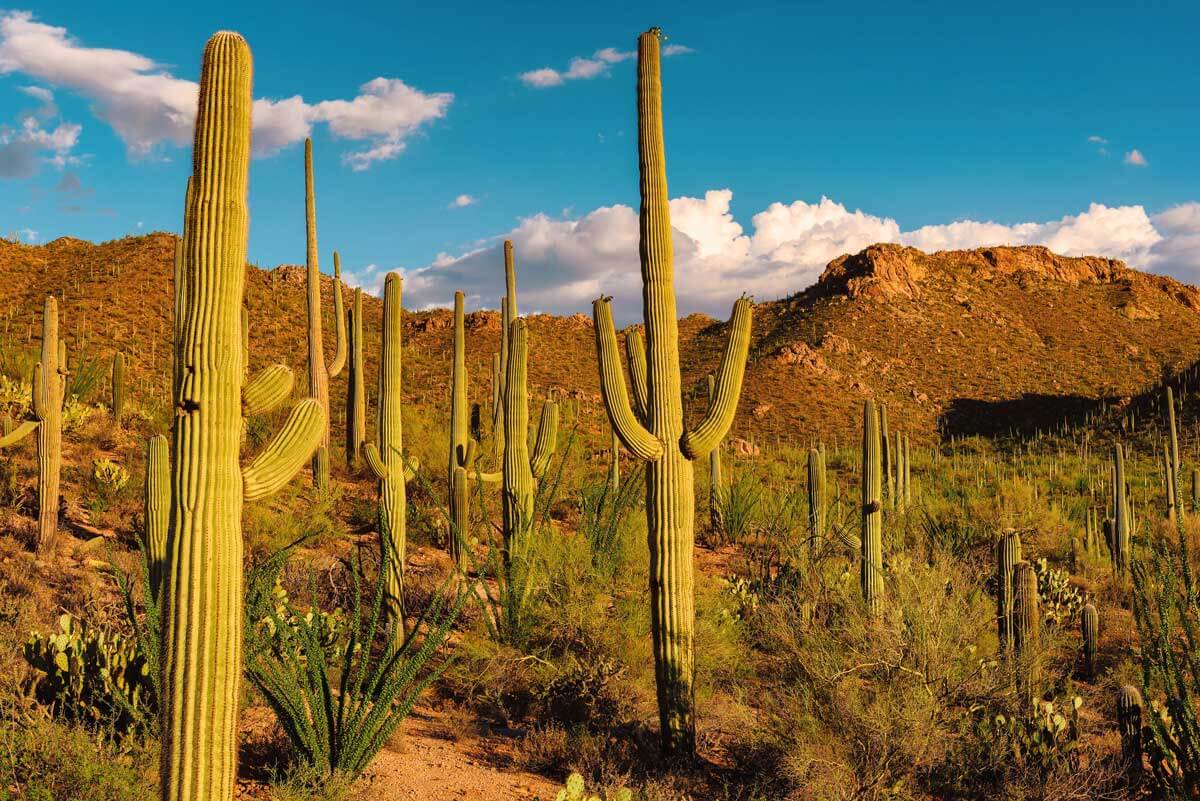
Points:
(739, 503)
(88, 375)
(589, 694)
(16, 396)
(1059, 602)
(75, 414)
(603, 512)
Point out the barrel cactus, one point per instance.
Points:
(653, 430)
(202, 614)
(319, 372)
(871, 564)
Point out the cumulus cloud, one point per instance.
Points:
(462, 201)
(580, 68)
(148, 107)
(566, 263)
(32, 142)
(1135, 158)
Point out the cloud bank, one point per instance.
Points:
(584, 68)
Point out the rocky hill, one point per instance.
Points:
(956, 341)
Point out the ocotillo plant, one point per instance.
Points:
(158, 510)
(386, 457)
(118, 386)
(1008, 554)
(614, 463)
(49, 392)
(716, 498)
(870, 577)
(654, 431)
(356, 390)
(1089, 629)
(1168, 481)
(203, 593)
(318, 372)
(1026, 629)
(816, 497)
(1119, 539)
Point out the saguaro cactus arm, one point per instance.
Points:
(633, 435)
(286, 453)
(269, 388)
(380, 469)
(341, 348)
(727, 388)
(19, 433)
(635, 351)
(546, 442)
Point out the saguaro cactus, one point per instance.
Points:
(49, 392)
(356, 391)
(386, 458)
(716, 486)
(202, 616)
(461, 446)
(614, 464)
(318, 372)
(885, 446)
(1129, 724)
(118, 386)
(1119, 539)
(1089, 629)
(654, 430)
(1026, 625)
(816, 497)
(158, 510)
(1008, 554)
(1173, 453)
(870, 577)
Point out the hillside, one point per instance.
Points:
(956, 341)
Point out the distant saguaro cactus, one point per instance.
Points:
(48, 394)
(1089, 629)
(1119, 538)
(118, 386)
(816, 497)
(871, 564)
(356, 390)
(653, 429)
(202, 610)
(318, 372)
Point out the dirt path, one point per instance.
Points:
(428, 762)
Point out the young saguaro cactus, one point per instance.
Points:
(202, 614)
(1026, 629)
(49, 392)
(158, 510)
(1129, 725)
(1119, 539)
(816, 497)
(118, 386)
(1173, 453)
(870, 577)
(318, 372)
(1008, 554)
(1089, 629)
(386, 457)
(653, 430)
(356, 390)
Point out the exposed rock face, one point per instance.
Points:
(482, 321)
(885, 271)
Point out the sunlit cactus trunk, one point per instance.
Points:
(1119, 537)
(1008, 554)
(118, 386)
(1089, 629)
(654, 430)
(614, 463)
(716, 484)
(1026, 631)
(1129, 725)
(356, 390)
(318, 372)
(157, 509)
(459, 436)
(885, 445)
(816, 498)
(1173, 466)
(202, 592)
(871, 563)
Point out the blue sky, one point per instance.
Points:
(1070, 125)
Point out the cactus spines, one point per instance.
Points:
(386, 457)
(1008, 554)
(871, 564)
(716, 505)
(202, 592)
(269, 389)
(1129, 725)
(816, 497)
(1089, 629)
(118, 386)
(658, 436)
(158, 510)
(49, 392)
(1119, 540)
(318, 372)
(356, 390)
(1027, 619)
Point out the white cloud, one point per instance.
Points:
(28, 234)
(148, 107)
(462, 201)
(1135, 158)
(31, 143)
(563, 264)
(580, 68)
(1097, 140)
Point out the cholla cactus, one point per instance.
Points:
(48, 394)
(318, 372)
(202, 595)
(652, 429)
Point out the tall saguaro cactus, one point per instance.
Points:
(49, 392)
(118, 386)
(202, 615)
(386, 457)
(460, 438)
(1174, 499)
(318, 372)
(356, 390)
(1119, 537)
(816, 497)
(654, 430)
(716, 483)
(1026, 630)
(1008, 554)
(871, 563)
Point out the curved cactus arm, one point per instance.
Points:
(40, 397)
(286, 453)
(19, 433)
(270, 387)
(704, 437)
(341, 348)
(411, 465)
(635, 350)
(486, 478)
(547, 439)
(633, 435)
(375, 461)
